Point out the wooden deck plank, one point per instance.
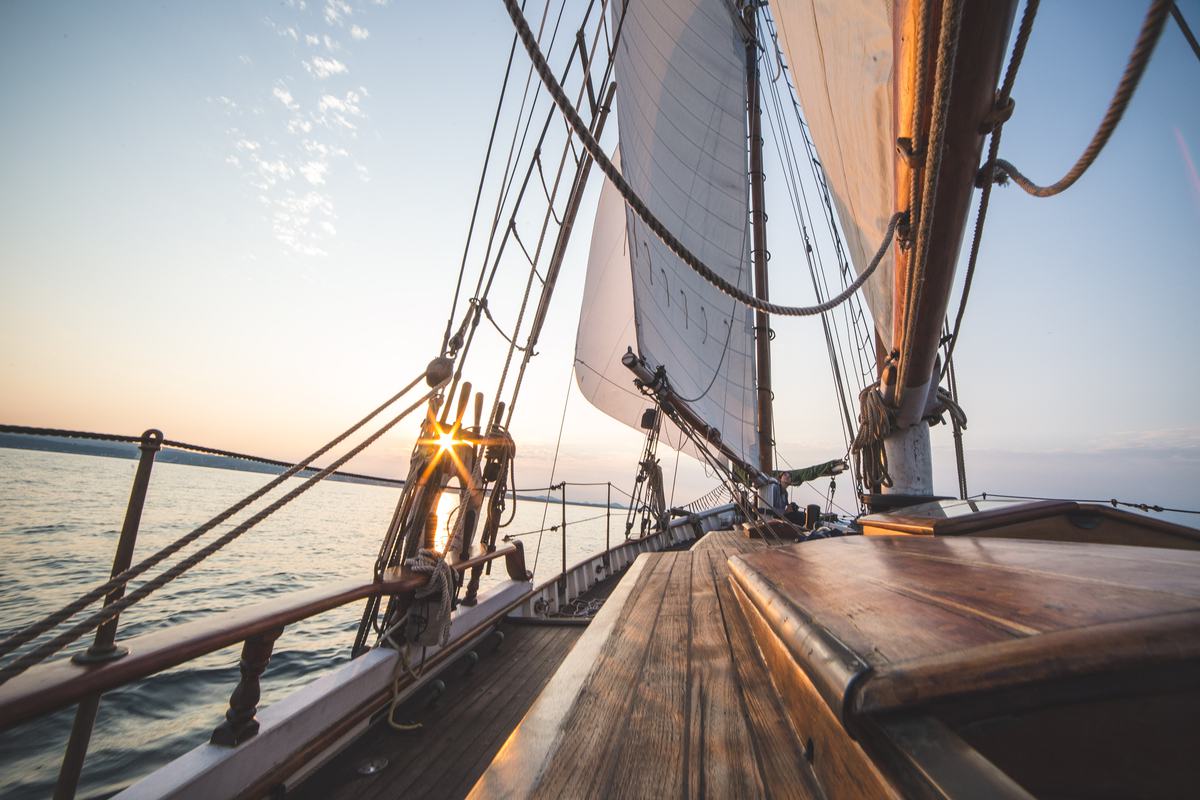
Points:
(778, 752)
(502, 697)
(675, 702)
(499, 729)
(653, 758)
(595, 722)
(460, 734)
(729, 543)
(719, 740)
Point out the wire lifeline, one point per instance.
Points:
(51, 621)
(1114, 502)
(1152, 28)
(660, 230)
(63, 433)
(487, 158)
(506, 184)
(44, 651)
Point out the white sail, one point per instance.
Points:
(681, 95)
(840, 57)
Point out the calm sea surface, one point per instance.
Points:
(60, 515)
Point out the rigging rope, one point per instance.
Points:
(1185, 30)
(487, 158)
(1152, 27)
(1001, 111)
(931, 173)
(639, 207)
(554, 465)
(852, 312)
(34, 630)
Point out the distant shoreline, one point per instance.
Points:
(169, 455)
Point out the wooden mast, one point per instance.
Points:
(758, 217)
(979, 57)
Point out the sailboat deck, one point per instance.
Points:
(666, 695)
(459, 733)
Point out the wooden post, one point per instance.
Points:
(608, 529)
(240, 724)
(562, 584)
(104, 646)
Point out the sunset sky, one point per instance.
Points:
(241, 223)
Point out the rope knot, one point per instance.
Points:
(913, 154)
(904, 231)
(991, 172)
(1000, 113)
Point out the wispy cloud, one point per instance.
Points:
(294, 154)
(285, 97)
(324, 67)
(336, 112)
(1174, 443)
(314, 172)
(336, 11)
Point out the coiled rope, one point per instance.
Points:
(1152, 28)
(440, 588)
(875, 421)
(647, 216)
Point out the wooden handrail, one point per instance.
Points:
(58, 684)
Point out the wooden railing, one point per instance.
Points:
(58, 684)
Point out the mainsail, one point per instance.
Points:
(681, 100)
(840, 58)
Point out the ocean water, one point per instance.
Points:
(60, 515)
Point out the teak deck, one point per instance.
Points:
(459, 733)
(665, 695)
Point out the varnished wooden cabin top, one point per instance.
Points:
(973, 667)
(1053, 520)
(889, 622)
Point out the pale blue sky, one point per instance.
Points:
(160, 227)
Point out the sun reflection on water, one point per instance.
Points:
(445, 517)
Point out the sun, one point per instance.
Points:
(446, 440)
